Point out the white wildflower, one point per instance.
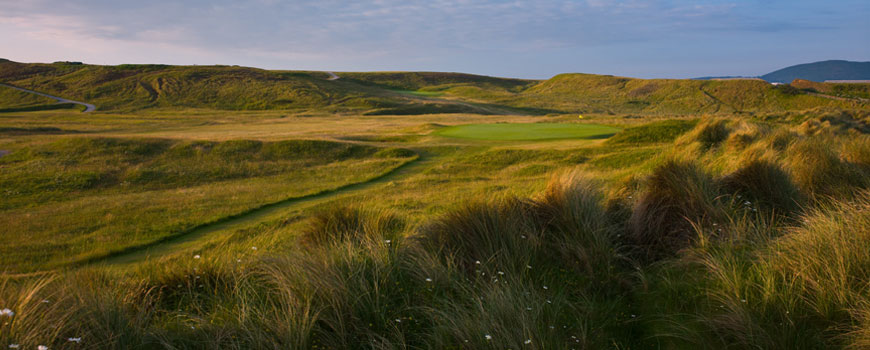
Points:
(253, 248)
(7, 312)
(428, 280)
(398, 320)
(477, 262)
(388, 241)
(42, 347)
(528, 341)
(545, 287)
(196, 256)
(13, 346)
(77, 340)
(487, 336)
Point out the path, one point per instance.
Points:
(196, 236)
(838, 98)
(333, 76)
(88, 107)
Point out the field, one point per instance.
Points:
(528, 132)
(238, 224)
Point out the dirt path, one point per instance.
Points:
(333, 76)
(88, 107)
(199, 235)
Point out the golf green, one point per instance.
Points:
(528, 131)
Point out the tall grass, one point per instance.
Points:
(695, 254)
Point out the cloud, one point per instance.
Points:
(376, 33)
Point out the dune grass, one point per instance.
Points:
(723, 233)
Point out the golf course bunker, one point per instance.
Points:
(528, 131)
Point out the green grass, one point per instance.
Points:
(526, 132)
(100, 195)
(127, 88)
(675, 233)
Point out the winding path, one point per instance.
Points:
(197, 235)
(88, 107)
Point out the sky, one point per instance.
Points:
(523, 39)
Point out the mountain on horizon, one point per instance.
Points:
(817, 71)
(821, 71)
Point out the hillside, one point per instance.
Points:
(821, 71)
(136, 87)
(585, 93)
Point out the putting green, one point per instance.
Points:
(528, 131)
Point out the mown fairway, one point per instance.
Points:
(529, 132)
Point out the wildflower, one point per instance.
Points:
(428, 280)
(551, 327)
(549, 302)
(77, 340)
(253, 248)
(196, 256)
(528, 309)
(528, 341)
(238, 260)
(398, 320)
(545, 287)
(7, 312)
(477, 262)
(487, 336)
(742, 300)
(529, 266)
(633, 315)
(388, 241)
(501, 273)
(747, 203)
(45, 301)
(42, 347)
(13, 346)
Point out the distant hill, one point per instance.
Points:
(125, 88)
(821, 71)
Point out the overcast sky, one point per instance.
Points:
(528, 39)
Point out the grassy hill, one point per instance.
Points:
(845, 90)
(136, 87)
(821, 71)
(585, 93)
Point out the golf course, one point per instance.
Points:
(226, 207)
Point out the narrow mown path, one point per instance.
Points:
(203, 232)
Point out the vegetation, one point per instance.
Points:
(137, 87)
(536, 131)
(94, 191)
(151, 226)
